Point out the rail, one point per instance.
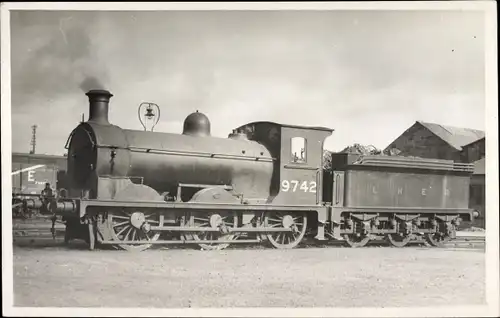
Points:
(467, 240)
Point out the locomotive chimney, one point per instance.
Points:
(98, 106)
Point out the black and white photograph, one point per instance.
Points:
(307, 159)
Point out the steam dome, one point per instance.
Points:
(196, 124)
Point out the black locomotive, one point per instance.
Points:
(265, 182)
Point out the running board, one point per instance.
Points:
(180, 242)
(211, 229)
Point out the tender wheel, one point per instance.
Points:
(295, 221)
(437, 239)
(132, 226)
(356, 240)
(218, 220)
(398, 239)
(402, 237)
(442, 236)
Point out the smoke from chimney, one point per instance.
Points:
(91, 83)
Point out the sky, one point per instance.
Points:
(367, 74)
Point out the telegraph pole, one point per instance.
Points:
(33, 139)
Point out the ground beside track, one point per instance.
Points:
(47, 273)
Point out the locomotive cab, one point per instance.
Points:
(301, 165)
(297, 178)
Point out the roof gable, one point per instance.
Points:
(454, 136)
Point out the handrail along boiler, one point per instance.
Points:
(131, 189)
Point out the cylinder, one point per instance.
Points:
(62, 207)
(99, 106)
(33, 203)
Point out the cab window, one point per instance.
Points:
(298, 147)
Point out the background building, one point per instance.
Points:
(475, 153)
(430, 140)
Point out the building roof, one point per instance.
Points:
(37, 156)
(454, 136)
(479, 166)
(26, 158)
(474, 142)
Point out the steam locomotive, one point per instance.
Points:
(132, 189)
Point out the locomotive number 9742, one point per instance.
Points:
(293, 186)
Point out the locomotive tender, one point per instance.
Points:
(131, 189)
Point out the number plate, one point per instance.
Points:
(296, 185)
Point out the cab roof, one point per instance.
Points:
(290, 126)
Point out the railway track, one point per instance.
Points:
(468, 241)
(35, 230)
